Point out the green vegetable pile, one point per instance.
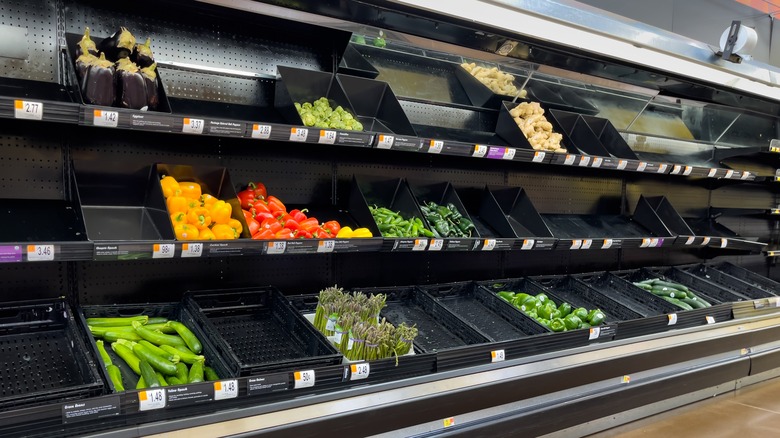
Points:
(556, 318)
(353, 320)
(674, 293)
(160, 352)
(392, 224)
(320, 115)
(447, 221)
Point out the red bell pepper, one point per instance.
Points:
(247, 198)
(303, 234)
(292, 224)
(253, 226)
(332, 226)
(260, 206)
(284, 233)
(271, 224)
(298, 215)
(258, 189)
(275, 205)
(263, 215)
(321, 233)
(311, 224)
(263, 235)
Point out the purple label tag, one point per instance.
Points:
(10, 254)
(495, 153)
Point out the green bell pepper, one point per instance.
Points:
(572, 322)
(546, 310)
(557, 325)
(597, 318)
(565, 309)
(506, 295)
(582, 313)
(543, 298)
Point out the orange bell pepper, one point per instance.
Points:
(170, 186)
(192, 203)
(206, 234)
(200, 217)
(207, 200)
(178, 218)
(236, 225)
(185, 232)
(190, 190)
(220, 212)
(223, 232)
(177, 204)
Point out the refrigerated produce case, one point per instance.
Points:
(661, 177)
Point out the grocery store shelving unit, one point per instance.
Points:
(218, 63)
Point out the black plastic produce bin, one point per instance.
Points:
(485, 212)
(625, 293)
(257, 330)
(726, 281)
(576, 132)
(559, 97)
(502, 206)
(579, 294)
(296, 85)
(44, 356)
(171, 311)
(673, 221)
(507, 129)
(478, 93)
(353, 63)
(750, 277)
(709, 290)
(71, 41)
(375, 105)
(440, 193)
(610, 138)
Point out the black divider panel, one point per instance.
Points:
(690, 200)
(570, 191)
(30, 281)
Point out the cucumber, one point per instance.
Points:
(185, 355)
(663, 291)
(116, 377)
(186, 334)
(158, 363)
(696, 304)
(158, 338)
(148, 374)
(126, 354)
(159, 351)
(678, 303)
(644, 286)
(210, 374)
(659, 282)
(141, 384)
(196, 372)
(103, 322)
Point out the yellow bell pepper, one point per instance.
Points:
(362, 232)
(206, 234)
(185, 232)
(207, 200)
(190, 190)
(170, 186)
(192, 203)
(345, 233)
(177, 204)
(178, 218)
(236, 225)
(200, 217)
(223, 232)
(220, 212)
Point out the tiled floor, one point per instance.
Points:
(753, 411)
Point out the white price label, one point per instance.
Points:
(326, 246)
(745, 175)
(304, 379)
(706, 241)
(672, 319)
(724, 242)
(24, 109)
(676, 169)
(569, 160)
(586, 244)
(622, 164)
(584, 161)
(479, 151)
(594, 333)
(420, 244)
(712, 173)
(690, 240)
(225, 389)
(645, 243)
(327, 137)
(40, 253)
(448, 422)
(538, 157)
(191, 249)
(528, 244)
(436, 245)
(729, 173)
(642, 166)
(662, 168)
(489, 245)
(435, 146)
(262, 132)
(688, 170)
(626, 379)
(597, 162)
(277, 247)
(385, 141)
(163, 250)
(710, 320)
(359, 371)
(654, 242)
(192, 126)
(509, 154)
(298, 134)
(607, 244)
(151, 399)
(576, 244)
(497, 356)
(105, 118)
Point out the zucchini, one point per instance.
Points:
(662, 283)
(156, 320)
(161, 327)
(158, 338)
(159, 351)
(98, 331)
(148, 374)
(126, 354)
(182, 372)
(103, 322)
(184, 356)
(174, 381)
(116, 377)
(678, 303)
(141, 384)
(161, 379)
(115, 336)
(103, 354)
(210, 374)
(196, 372)
(158, 363)
(186, 334)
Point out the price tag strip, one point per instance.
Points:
(24, 109)
(326, 246)
(497, 356)
(479, 151)
(327, 137)
(109, 119)
(192, 126)
(299, 134)
(304, 379)
(277, 247)
(163, 250)
(225, 389)
(262, 132)
(151, 399)
(359, 371)
(385, 141)
(40, 253)
(191, 249)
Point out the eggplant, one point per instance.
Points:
(150, 80)
(142, 54)
(83, 63)
(119, 45)
(86, 45)
(98, 86)
(130, 85)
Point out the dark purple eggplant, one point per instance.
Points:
(142, 54)
(150, 80)
(83, 63)
(86, 45)
(119, 45)
(99, 84)
(130, 85)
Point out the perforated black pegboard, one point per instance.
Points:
(570, 191)
(690, 200)
(29, 281)
(31, 166)
(39, 18)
